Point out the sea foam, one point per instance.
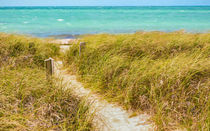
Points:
(60, 20)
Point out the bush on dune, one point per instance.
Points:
(163, 73)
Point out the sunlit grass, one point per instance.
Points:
(166, 74)
(28, 101)
(25, 49)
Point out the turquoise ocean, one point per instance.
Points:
(47, 21)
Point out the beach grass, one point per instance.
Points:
(164, 74)
(14, 48)
(28, 101)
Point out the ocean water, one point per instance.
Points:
(47, 21)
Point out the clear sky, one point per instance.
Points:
(102, 2)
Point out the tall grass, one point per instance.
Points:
(27, 100)
(166, 74)
(20, 50)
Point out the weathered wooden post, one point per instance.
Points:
(49, 64)
(81, 47)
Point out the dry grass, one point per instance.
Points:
(166, 74)
(20, 50)
(27, 100)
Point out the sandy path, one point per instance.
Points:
(108, 117)
(64, 43)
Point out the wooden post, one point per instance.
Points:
(49, 64)
(81, 47)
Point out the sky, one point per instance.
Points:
(103, 2)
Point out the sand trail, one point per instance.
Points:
(108, 117)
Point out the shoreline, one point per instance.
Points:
(76, 36)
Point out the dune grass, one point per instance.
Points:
(27, 100)
(17, 49)
(166, 74)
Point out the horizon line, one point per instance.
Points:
(105, 6)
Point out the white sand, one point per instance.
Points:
(65, 43)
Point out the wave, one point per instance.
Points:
(60, 20)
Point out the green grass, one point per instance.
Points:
(27, 100)
(166, 74)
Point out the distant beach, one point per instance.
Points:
(68, 22)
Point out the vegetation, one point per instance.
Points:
(27, 100)
(18, 50)
(167, 74)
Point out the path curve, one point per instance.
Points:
(108, 117)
